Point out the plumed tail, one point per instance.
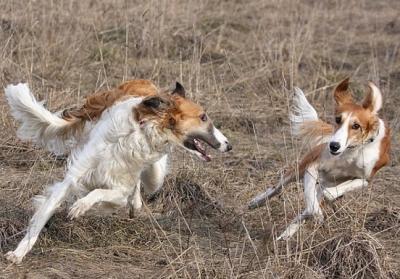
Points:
(305, 122)
(39, 125)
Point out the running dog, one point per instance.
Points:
(128, 144)
(342, 158)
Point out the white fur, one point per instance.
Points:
(302, 112)
(222, 139)
(108, 161)
(377, 97)
(105, 171)
(341, 136)
(38, 124)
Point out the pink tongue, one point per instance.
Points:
(201, 149)
(207, 157)
(199, 146)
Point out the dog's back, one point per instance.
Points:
(60, 132)
(97, 103)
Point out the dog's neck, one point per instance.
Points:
(377, 135)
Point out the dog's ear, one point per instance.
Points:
(179, 90)
(373, 100)
(341, 93)
(153, 102)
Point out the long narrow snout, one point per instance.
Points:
(340, 139)
(224, 144)
(212, 136)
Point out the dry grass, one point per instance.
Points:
(240, 60)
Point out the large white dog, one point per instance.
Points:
(135, 128)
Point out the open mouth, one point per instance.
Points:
(200, 149)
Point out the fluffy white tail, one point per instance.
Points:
(305, 122)
(38, 124)
(302, 110)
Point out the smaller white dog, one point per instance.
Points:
(128, 144)
(343, 157)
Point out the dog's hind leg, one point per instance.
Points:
(261, 199)
(153, 176)
(59, 192)
(293, 227)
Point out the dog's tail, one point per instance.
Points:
(305, 122)
(39, 125)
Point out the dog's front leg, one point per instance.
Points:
(311, 192)
(59, 192)
(313, 209)
(153, 176)
(152, 179)
(136, 201)
(109, 197)
(332, 193)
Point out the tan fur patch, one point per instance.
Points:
(97, 103)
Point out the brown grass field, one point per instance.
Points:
(240, 60)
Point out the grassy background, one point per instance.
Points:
(240, 60)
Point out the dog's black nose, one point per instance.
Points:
(334, 146)
(229, 146)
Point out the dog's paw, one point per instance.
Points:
(291, 229)
(135, 206)
(133, 212)
(78, 209)
(13, 257)
(318, 218)
(329, 196)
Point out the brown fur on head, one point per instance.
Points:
(354, 124)
(341, 93)
(360, 120)
(186, 122)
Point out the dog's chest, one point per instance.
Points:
(353, 164)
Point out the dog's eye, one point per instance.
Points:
(338, 120)
(355, 126)
(203, 117)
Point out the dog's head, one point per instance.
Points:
(355, 124)
(186, 124)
